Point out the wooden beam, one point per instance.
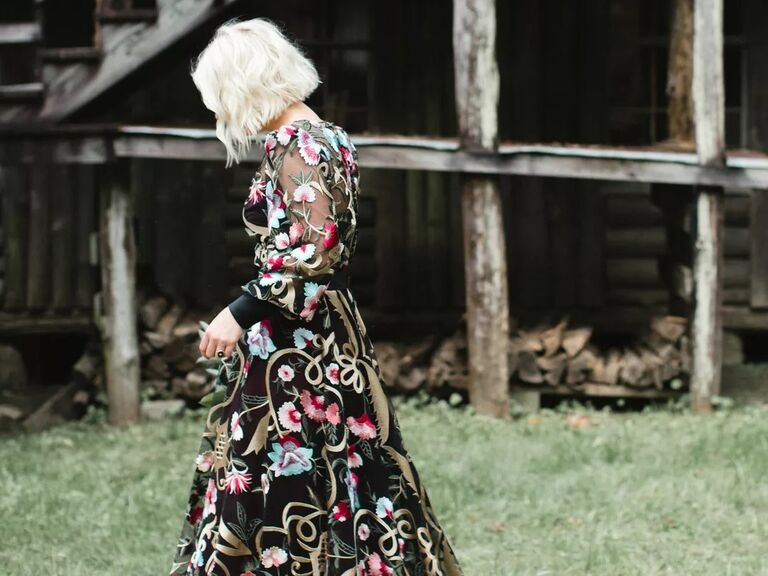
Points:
(118, 319)
(477, 95)
(622, 164)
(125, 53)
(19, 33)
(709, 114)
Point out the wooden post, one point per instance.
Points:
(118, 289)
(15, 217)
(675, 201)
(709, 114)
(477, 96)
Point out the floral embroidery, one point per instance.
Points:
(259, 342)
(289, 457)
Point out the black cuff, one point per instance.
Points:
(247, 310)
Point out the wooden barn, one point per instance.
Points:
(519, 159)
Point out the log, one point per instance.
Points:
(709, 109)
(575, 340)
(118, 277)
(477, 94)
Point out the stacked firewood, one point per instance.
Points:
(559, 355)
(548, 356)
(169, 342)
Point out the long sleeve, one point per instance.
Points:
(305, 203)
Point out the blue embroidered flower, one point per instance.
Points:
(289, 458)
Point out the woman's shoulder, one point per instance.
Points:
(317, 141)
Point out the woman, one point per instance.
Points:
(302, 469)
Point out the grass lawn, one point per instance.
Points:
(628, 494)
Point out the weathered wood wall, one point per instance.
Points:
(586, 72)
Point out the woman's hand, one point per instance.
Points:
(222, 334)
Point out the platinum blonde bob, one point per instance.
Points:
(247, 75)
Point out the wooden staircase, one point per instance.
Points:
(52, 83)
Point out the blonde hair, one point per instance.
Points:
(247, 75)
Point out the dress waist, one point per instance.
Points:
(339, 280)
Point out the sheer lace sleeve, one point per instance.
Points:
(298, 258)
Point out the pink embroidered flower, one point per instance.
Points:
(313, 292)
(308, 148)
(362, 426)
(341, 511)
(361, 571)
(332, 414)
(331, 235)
(401, 545)
(249, 573)
(282, 241)
(269, 144)
(363, 531)
(284, 134)
(273, 556)
(237, 480)
(314, 406)
(210, 498)
(285, 373)
(304, 193)
(259, 339)
(347, 158)
(274, 262)
(384, 507)
(377, 566)
(332, 373)
(304, 252)
(256, 191)
(235, 427)
(269, 278)
(205, 461)
(295, 232)
(265, 483)
(289, 417)
(354, 460)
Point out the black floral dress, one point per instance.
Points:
(302, 468)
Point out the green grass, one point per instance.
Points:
(631, 494)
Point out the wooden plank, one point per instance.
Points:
(759, 249)
(63, 247)
(592, 246)
(529, 236)
(755, 20)
(39, 238)
(126, 52)
(210, 255)
(709, 111)
(87, 256)
(117, 323)
(597, 390)
(390, 237)
(27, 91)
(15, 221)
(19, 33)
(477, 95)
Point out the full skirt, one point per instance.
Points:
(302, 468)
